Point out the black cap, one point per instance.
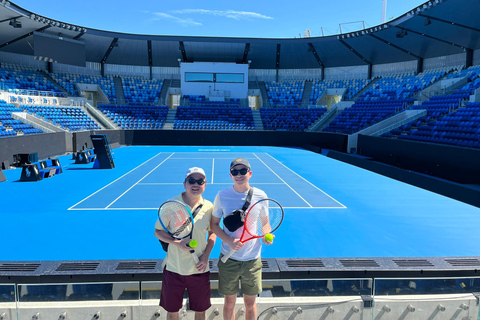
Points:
(240, 161)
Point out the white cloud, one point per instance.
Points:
(183, 22)
(232, 14)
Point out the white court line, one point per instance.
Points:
(113, 182)
(207, 158)
(140, 180)
(213, 169)
(283, 181)
(110, 209)
(178, 183)
(307, 181)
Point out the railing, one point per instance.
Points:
(362, 298)
(38, 93)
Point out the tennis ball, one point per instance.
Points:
(269, 237)
(193, 244)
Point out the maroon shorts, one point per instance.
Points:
(173, 288)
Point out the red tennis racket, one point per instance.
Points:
(265, 216)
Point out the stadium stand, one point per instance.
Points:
(447, 121)
(290, 119)
(219, 117)
(140, 90)
(386, 97)
(10, 127)
(353, 87)
(68, 82)
(285, 93)
(24, 80)
(67, 118)
(136, 116)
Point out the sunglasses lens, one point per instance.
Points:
(193, 181)
(235, 172)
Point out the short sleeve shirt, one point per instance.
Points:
(180, 261)
(227, 201)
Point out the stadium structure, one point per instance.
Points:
(400, 99)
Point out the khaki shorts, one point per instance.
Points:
(249, 273)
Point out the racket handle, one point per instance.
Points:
(228, 255)
(194, 256)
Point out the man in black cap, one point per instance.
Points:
(245, 264)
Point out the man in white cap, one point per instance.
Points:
(179, 269)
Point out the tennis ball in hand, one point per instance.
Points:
(269, 237)
(193, 244)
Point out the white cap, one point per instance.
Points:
(195, 170)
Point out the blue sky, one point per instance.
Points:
(247, 18)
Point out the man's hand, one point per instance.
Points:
(183, 244)
(202, 263)
(235, 244)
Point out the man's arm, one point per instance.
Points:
(165, 237)
(231, 242)
(203, 259)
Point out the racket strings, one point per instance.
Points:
(264, 218)
(176, 219)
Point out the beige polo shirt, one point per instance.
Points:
(181, 261)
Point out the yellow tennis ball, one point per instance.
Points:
(269, 237)
(193, 244)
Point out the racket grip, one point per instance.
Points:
(228, 255)
(194, 256)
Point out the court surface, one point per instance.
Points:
(332, 209)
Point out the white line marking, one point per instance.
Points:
(113, 181)
(283, 180)
(140, 180)
(207, 158)
(213, 169)
(307, 181)
(109, 209)
(181, 183)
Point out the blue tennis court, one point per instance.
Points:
(332, 209)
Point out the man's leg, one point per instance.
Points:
(229, 307)
(250, 307)
(200, 315)
(172, 315)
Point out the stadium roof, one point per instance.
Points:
(435, 28)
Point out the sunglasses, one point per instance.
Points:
(235, 172)
(193, 181)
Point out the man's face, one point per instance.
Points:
(240, 174)
(191, 184)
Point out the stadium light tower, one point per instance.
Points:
(384, 10)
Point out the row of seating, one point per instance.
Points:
(365, 113)
(447, 121)
(353, 86)
(20, 81)
(291, 119)
(285, 93)
(141, 90)
(67, 118)
(69, 81)
(136, 116)
(214, 118)
(11, 127)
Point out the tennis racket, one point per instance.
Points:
(177, 220)
(265, 216)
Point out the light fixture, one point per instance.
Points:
(16, 24)
(401, 33)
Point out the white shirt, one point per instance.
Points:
(227, 201)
